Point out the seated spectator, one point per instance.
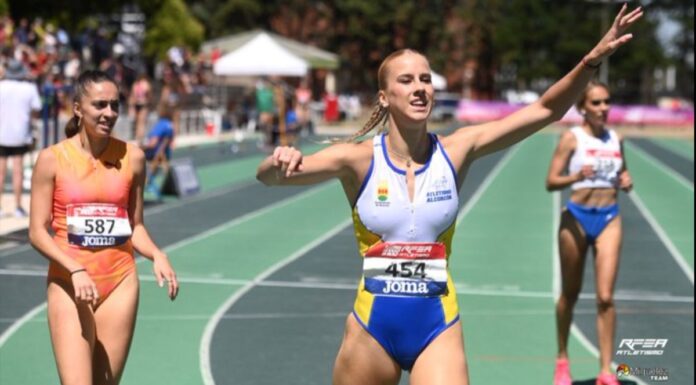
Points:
(158, 147)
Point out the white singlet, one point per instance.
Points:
(604, 154)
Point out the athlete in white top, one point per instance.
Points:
(596, 170)
(405, 100)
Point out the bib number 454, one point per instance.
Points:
(407, 269)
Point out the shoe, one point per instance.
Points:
(20, 213)
(607, 379)
(561, 375)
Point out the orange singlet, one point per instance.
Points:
(90, 213)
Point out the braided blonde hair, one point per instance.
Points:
(380, 113)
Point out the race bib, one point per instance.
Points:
(95, 225)
(606, 164)
(406, 269)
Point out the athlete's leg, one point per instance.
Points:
(443, 361)
(361, 359)
(607, 251)
(3, 168)
(17, 176)
(572, 249)
(141, 122)
(115, 320)
(72, 335)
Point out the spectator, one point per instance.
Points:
(139, 105)
(158, 148)
(19, 102)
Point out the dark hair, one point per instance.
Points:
(83, 81)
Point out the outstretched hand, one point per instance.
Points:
(616, 36)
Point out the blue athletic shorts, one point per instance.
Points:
(593, 219)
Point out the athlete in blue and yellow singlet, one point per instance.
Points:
(406, 297)
(403, 187)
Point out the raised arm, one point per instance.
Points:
(473, 142)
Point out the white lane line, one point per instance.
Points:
(19, 323)
(664, 168)
(662, 234)
(249, 216)
(155, 210)
(555, 258)
(321, 285)
(486, 183)
(206, 340)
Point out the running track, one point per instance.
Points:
(269, 274)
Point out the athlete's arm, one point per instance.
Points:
(288, 166)
(41, 213)
(556, 180)
(483, 139)
(140, 238)
(625, 180)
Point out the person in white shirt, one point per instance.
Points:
(19, 103)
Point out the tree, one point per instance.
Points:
(171, 25)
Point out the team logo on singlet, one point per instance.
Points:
(382, 194)
(440, 191)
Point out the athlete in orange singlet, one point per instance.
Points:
(88, 189)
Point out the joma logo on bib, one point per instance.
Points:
(405, 287)
(89, 241)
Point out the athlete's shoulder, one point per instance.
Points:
(351, 151)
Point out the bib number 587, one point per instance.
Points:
(99, 226)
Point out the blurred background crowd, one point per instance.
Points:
(492, 57)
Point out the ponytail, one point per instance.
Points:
(72, 127)
(378, 116)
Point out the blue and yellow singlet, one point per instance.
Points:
(406, 297)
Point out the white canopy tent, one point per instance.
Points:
(439, 82)
(261, 56)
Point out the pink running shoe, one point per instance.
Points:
(607, 379)
(562, 374)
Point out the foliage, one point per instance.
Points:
(523, 44)
(171, 25)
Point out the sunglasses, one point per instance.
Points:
(597, 102)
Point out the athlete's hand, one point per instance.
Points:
(164, 272)
(586, 172)
(288, 160)
(625, 181)
(616, 36)
(85, 288)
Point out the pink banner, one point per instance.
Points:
(484, 111)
